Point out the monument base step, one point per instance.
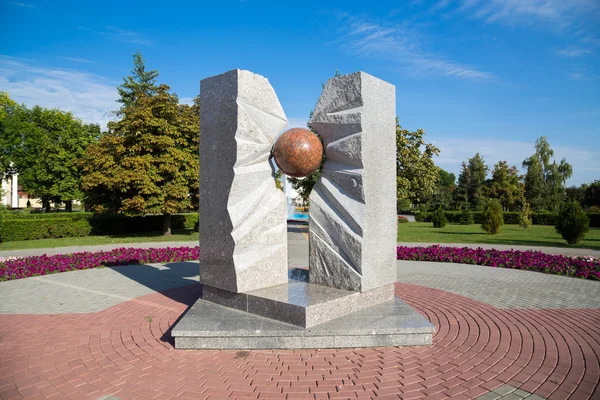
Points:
(299, 302)
(207, 325)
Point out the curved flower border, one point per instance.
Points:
(44, 265)
(582, 267)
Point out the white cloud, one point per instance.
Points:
(401, 46)
(78, 60)
(455, 151)
(89, 97)
(122, 35)
(572, 52)
(14, 3)
(563, 14)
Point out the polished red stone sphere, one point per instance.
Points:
(298, 152)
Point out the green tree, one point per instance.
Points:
(535, 184)
(42, 146)
(144, 164)
(11, 121)
(438, 218)
(545, 179)
(493, 217)
(139, 83)
(471, 180)
(444, 189)
(505, 186)
(576, 193)
(525, 215)
(416, 173)
(572, 224)
(592, 195)
(461, 194)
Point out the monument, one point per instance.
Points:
(249, 297)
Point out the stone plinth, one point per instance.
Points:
(243, 244)
(353, 206)
(211, 326)
(299, 303)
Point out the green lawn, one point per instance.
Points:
(177, 236)
(537, 235)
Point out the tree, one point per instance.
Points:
(444, 189)
(505, 186)
(592, 195)
(535, 185)
(493, 217)
(148, 161)
(461, 194)
(438, 218)
(469, 191)
(576, 193)
(525, 216)
(42, 146)
(416, 173)
(11, 115)
(545, 180)
(572, 224)
(139, 83)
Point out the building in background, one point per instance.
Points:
(13, 196)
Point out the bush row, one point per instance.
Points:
(51, 215)
(546, 218)
(89, 224)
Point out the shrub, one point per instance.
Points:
(525, 216)
(572, 224)
(466, 217)
(439, 218)
(30, 226)
(493, 217)
(31, 229)
(402, 220)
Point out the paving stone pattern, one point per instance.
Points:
(126, 351)
(507, 392)
(501, 287)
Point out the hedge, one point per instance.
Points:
(546, 218)
(86, 224)
(51, 215)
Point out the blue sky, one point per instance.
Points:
(486, 76)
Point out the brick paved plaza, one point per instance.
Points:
(104, 334)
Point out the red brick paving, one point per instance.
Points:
(126, 351)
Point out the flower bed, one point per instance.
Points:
(581, 267)
(43, 265)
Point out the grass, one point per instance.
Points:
(536, 235)
(177, 236)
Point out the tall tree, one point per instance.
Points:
(42, 146)
(139, 83)
(416, 173)
(471, 182)
(145, 159)
(547, 192)
(461, 194)
(444, 189)
(505, 186)
(592, 194)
